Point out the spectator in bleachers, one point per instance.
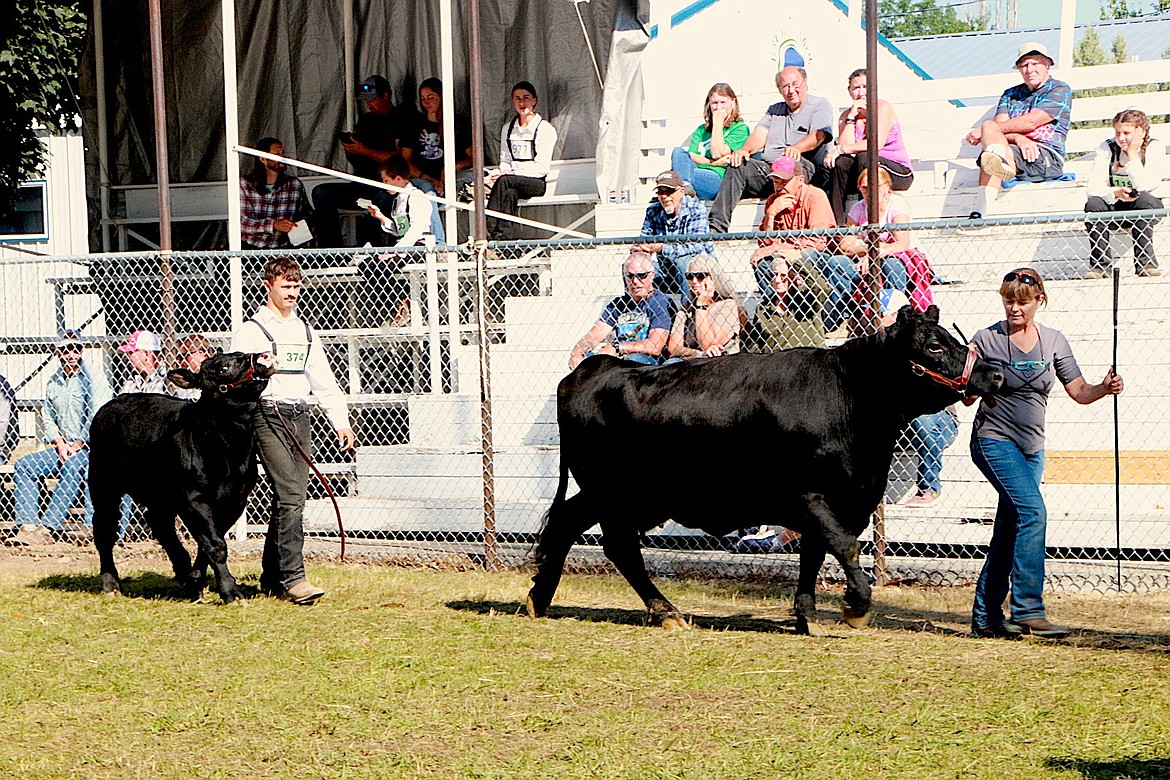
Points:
(1026, 138)
(73, 394)
(704, 161)
(850, 156)
(193, 350)
(634, 326)
(794, 205)
(422, 145)
(904, 268)
(674, 214)
(711, 321)
(372, 141)
(405, 218)
(526, 150)
(928, 435)
(271, 201)
(798, 127)
(1129, 174)
(794, 315)
(9, 420)
(144, 349)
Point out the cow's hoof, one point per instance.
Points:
(111, 586)
(801, 626)
(856, 619)
(670, 621)
(534, 610)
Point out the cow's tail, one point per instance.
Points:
(536, 554)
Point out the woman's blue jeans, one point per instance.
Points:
(705, 182)
(933, 433)
(31, 469)
(1016, 554)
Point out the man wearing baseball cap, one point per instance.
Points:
(1026, 138)
(143, 348)
(374, 138)
(674, 213)
(793, 205)
(72, 395)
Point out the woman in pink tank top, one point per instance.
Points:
(849, 157)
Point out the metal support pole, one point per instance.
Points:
(162, 172)
(491, 552)
(103, 152)
(871, 294)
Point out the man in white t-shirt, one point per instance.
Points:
(303, 378)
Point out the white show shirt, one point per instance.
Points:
(315, 384)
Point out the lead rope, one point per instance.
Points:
(320, 477)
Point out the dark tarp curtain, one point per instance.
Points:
(292, 84)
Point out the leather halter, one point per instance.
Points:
(957, 384)
(248, 376)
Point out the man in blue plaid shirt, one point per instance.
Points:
(271, 201)
(674, 214)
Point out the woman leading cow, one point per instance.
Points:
(1007, 445)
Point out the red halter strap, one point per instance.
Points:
(957, 384)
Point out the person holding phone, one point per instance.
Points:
(1128, 174)
(371, 142)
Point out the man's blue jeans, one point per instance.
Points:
(31, 469)
(933, 433)
(705, 182)
(1016, 553)
(842, 276)
(436, 214)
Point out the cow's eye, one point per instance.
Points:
(935, 349)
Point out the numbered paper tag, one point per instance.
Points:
(401, 224)
(292, 358)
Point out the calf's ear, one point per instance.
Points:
(905, 313)
(183, 378)
(932, 314)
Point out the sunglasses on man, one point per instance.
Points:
(639, 275)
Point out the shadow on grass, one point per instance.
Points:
(630, 617)
(1129, 768)
(143, 585)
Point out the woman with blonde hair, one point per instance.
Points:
(704, 162)
(1129, 174)
(710, 322)
(1007, 445)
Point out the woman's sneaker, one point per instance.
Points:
(924, 498)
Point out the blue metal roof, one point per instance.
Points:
(986, 53)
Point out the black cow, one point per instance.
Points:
(195, 460)
(810, 433)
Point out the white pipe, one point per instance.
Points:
(231, 115)
(350, 69)
(450, 216)
(99, 57)
(391, 188)
(1068, 21)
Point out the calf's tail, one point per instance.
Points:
(537, 553)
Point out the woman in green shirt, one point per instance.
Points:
(704, 161)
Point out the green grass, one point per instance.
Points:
(407, 673)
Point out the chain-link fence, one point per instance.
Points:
(456, 419)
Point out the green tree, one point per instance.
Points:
(1130, 9)
(1089, 51)
(39, 57)
(906, 18)
(1120, 49)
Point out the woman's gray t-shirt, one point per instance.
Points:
(1017, 414)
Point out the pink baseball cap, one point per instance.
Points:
(783, 167)
(141, 339)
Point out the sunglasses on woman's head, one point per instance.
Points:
(638, 275)
(1027, 279)
(693, 275)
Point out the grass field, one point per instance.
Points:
(403, 673)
